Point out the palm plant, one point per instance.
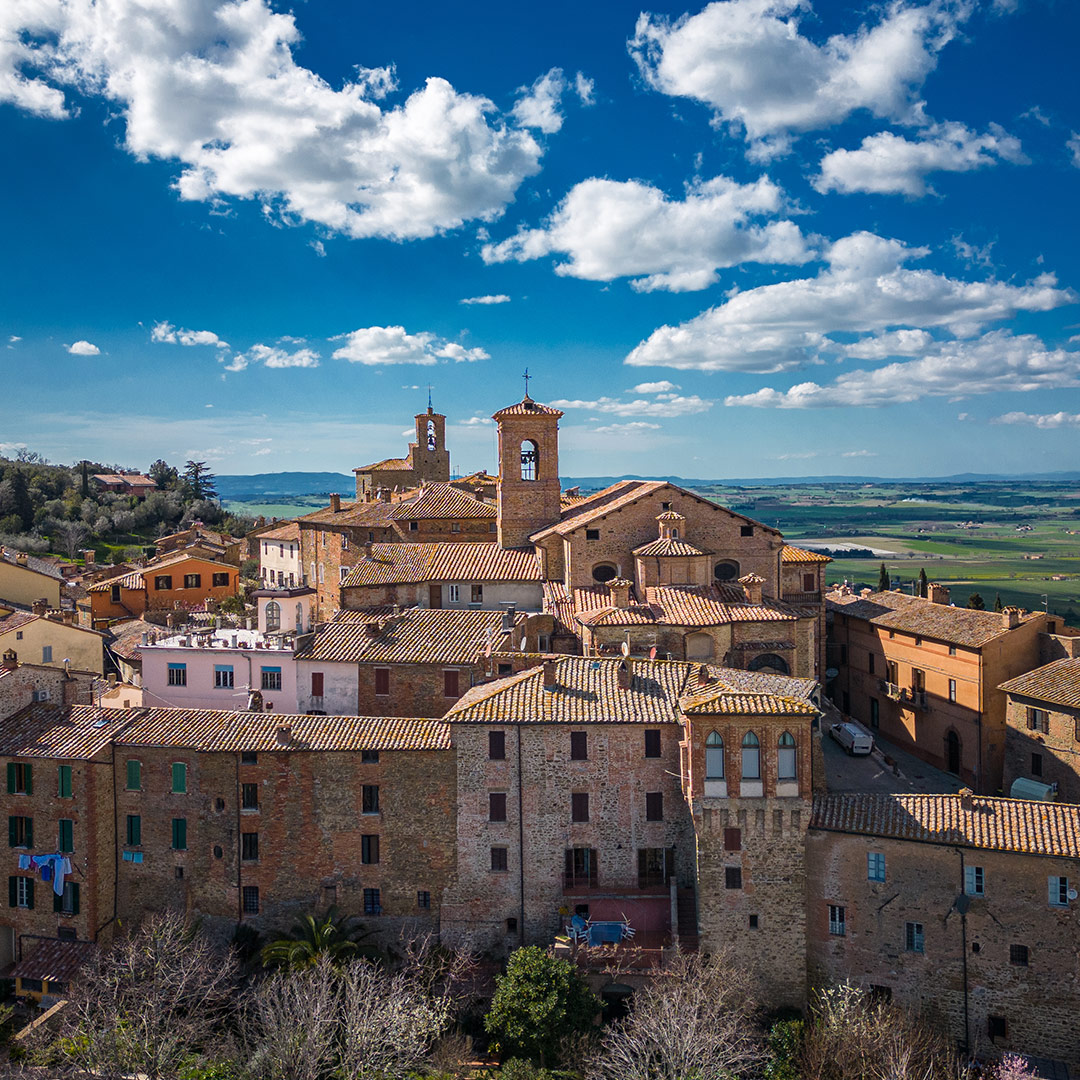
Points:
(314, 936)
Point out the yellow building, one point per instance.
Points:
(25, 579)
(37, 639)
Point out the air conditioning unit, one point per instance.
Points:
(41, 695)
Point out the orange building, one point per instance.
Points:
(181, 582)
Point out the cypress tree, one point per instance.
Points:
(883, 582)
(84, 490)
(997, 602)
(924, 585)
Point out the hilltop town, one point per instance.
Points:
(509, 714)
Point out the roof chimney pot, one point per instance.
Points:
(549, 674)
(335, 503)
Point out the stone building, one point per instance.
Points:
(428, 459)
(1042, 735)
(26, 578)
(926, 674)
(958, 906)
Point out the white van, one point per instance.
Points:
(852, 739)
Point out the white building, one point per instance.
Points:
(279, 556)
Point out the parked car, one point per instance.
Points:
(851, 738)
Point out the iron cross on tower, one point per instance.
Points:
(526, 377)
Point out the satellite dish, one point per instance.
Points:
(831, 673)
(524, 642)
(652, 653)
(963, 903)
(624, 648)
(1072, 894)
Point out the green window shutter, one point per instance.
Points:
(13, 890)
(74, 897)
(29, 832)
(64, 782)
(57, 901)
(11, 778)
(30, 893)
(13, 839)
(29, 770)
(67, 834)
(133, 776)
(179, 778)
(179, 833)
(134, 830)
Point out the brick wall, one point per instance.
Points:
(1058, 749)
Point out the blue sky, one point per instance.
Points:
(753, 238)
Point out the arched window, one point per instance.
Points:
(728, 570)
(751, 757)
(769, 662)
(674, 534)
(299, 618)
(714, 756)
(785, 757)
(273, 616)
(604, 572)
(530, 460)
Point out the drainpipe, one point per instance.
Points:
(239, 842)
(963, 906)
(521, 842)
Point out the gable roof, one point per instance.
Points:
(32, 563)
(399, 564)
(414, 636)
(668, 546)
(791, 554)
(1034, 828)
(442, 500)
(914, 615)
(392, 464)
(526, 407)
(287, 530)
(136, 579)
(1057, 683)
(587, 690)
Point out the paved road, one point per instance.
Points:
(870, 773)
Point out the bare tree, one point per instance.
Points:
(147, 1003)
(72, 535)
(852, 1036)
(694, 1019)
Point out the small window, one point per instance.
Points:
(751, 757)
(114, 594)
(952, 689)
(343, 573)
(177, 675)
(20, 832)
(726, 571)
(530, 460)
(837, 920)
(1018, 955)
(1038, 720)
(498, 858)
(162, 582)
(1057, 891)
(344, 543)
(249, 796)
(134, 775)
(592, 534)
(134, 830)
(20, 778)
(249, 846)
(369, 757)
(511, 925)
(179, 834)
(809, 584)
(223, 677)
(665, 506)
(369, 849)
(1036, 765)
(997, 1027)
(317, 684)
(414, 526)
(753, 922)
(913, 937)
(496, 806)
(21, 892)
(382, 682)
(370, 799)
(579, 806)
(746, 530)
(450, 684)
(271, 678)
(455, 526)
(733, 839)
(875, 866)
(423, 899)
(178, 872)
(579, 746)
(220, 581)
(476, 594)
(952, 650)
(652, 743)
(732, 877)
(974, 881)
(787, 756)
(65, 835)
(654, 806)
(251, 899)
(179, 778)
(63, 783)
(67, 903)
(453, 594)
(249, 757)
(714, 756)
(192, 581)
(497, 745)
(870, 663)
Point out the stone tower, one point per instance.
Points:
(528, 470)
(428, 456)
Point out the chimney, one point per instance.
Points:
(68, 617)
(145, 639)
(937, 594)
(1010, 617)
(172, 619)
(573, 492)
(966, 797)
(284, 735)
(20, 558)
(384, 494)
(509, 611)
(54, 616)
(619, 591)
(625, 673)
(71, 690)
(369, 547)
(752, 584)
(335, 503)
(39, 607)
(865, 592)
(549, 674)
(9, 661)
(373, 629)
(89, 555)
(703, 676)
(255, 701)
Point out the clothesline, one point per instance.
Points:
(54, 867)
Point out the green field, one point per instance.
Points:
(296, 507)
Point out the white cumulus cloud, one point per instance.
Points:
(171, 335)
(273, 357)
(864, 289)
(1073, 146)
(539, 105)
(216, 87)
(890, 164)
(495, 298)
(83, 348)
(661, 387)
(373, 345)
(750, 63)
(609, 229)
(664, 405)
(635, 427)
(996, 362)
(1040, 420)
(584, 88)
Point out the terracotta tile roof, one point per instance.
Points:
(678, 605)
(527, 407)
(136, 579)
(1034, 828)
(54, 960)
(131, 580)
(442, 501)
(800, 555)
(914, 615)
(47, 730)
(587, 691)
(368, 515)
(38, 566)
(723, 702)
(198, 532)
(668, 545)
(414, 636)
(16, 620)
(1057, 683)
(395, 464)
(289, 531)
(598, 504)
(414, 563)
(126, 637)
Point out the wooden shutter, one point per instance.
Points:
(179, 833)
(64, 782)
(66, 835)
(28, 773)
(29, 831)
(450, 684)
(382, 681)
(74, 897)
(316, 684)
(13, 890)
(12, 831)
(179, 778)
(11, 778)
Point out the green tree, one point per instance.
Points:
(163, 474)
(312, 937)
(537, 1002)
(883, 583)
(924, 585)
(21, 506)
(84, 486)
(199, 481)
(997, 602)
(976, 602)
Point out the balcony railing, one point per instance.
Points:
(649, 884)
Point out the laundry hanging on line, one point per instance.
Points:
(53, 867)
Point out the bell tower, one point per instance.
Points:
(428, 456)
(529, 486)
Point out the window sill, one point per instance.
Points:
(249, 809)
